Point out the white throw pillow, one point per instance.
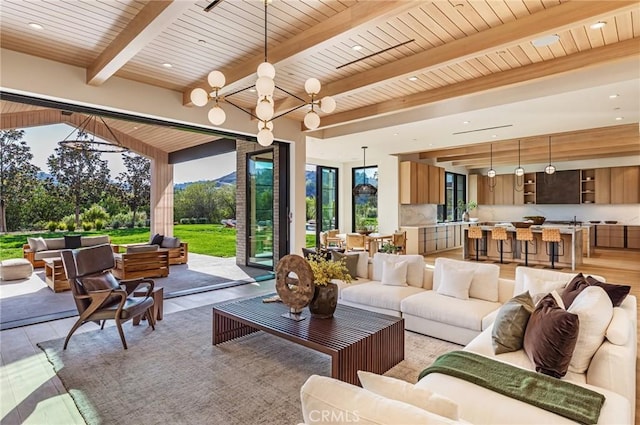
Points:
(620, 327)
(593, 307)
(456, 282)
(539, 286)
(415, 267)
(37, 244)
(363, 265)
(396, 389)
(394, 274)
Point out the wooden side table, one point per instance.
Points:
(54, 275)
(158, 303)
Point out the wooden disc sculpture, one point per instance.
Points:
(294, 292)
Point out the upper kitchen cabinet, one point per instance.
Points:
(625, 185)
(421, 183)
(562, 187)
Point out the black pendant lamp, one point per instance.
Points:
(364, 188)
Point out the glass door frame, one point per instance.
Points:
(249, 201)
(319, 201)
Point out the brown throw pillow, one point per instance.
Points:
(351, 260)
(573, 289)
(551, 337)
(511, 322)
(617, 293)
(72, 241)
(101, 282)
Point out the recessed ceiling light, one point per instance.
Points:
(252, 90)
(613, 96)
(598, 25)
(35, 26)
(395, 134)
(167, 65)
(466, 122)
(546, 40)
(357, 47)
(619, 118)
(414, 78)
(430, 144)
(494, 135)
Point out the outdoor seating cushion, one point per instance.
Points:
(142, 248)
(375, 294)
(169, 242)
(15, 268)
(430, 305)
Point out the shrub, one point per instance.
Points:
(70, 222)
(115, 224)
(86, 226)
(52, 226)
(94, 213)
(99, 224)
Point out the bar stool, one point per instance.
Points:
(526, 236)
(552, 237)
(499, 234)
(475, 232)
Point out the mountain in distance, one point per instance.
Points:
(226, 179)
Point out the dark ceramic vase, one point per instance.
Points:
(324, 302)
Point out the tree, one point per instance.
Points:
(17, 178)
(136, 183)
(82, 175)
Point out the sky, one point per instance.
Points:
(43, 140)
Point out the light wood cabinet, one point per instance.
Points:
(485, 192)
(625, 185)
(633, 237)
(610, 236)
(421, 183)
(602, 186)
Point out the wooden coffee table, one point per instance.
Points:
(54, 275)
(355, 339)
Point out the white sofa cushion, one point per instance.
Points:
(55, 243)
(329, 401)
(593, 307)
(396, 389)
(541, 275)
(439, 308)
(375, 294)
(394, 273)
(484, 284)
(37, 244)
(415, 267)
(619, 328)
(457, 282)
(363, 264)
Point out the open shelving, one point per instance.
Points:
(588, 186)
(529, 188)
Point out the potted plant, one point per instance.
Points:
(465, 207)
(325, 298)
(389, 248)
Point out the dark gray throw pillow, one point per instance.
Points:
(156, 239)
(72, 241)
(511, 322)
(351, 260)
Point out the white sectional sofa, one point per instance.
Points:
(426, 309)
(611, 371)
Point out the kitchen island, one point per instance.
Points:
(568, 253)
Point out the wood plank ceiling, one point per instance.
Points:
(454, 47)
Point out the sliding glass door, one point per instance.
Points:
(326, 199)
(260, 217)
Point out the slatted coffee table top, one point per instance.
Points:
(349, 324)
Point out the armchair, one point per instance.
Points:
(98, 295)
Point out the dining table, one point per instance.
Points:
(372, 242)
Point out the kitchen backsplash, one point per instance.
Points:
(624, 214)
(418, 215)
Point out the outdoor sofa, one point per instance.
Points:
(37, 249)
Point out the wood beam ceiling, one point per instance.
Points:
(143, 28)
(597, 56)
(511, 33)
(615, 141)
(349, 21)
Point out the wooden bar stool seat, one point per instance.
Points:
(553, 241)
(476, 233)
(526, 236)
(500, 234)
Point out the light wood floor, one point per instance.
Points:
(31, 393)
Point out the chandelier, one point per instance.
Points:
(491, 173)
(265, 87)
(518, 174)
(83, 138)
(364, 188)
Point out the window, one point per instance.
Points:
(455, 189)
(364, 211)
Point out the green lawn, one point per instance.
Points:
(209, 239)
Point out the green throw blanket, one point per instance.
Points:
(563, 398)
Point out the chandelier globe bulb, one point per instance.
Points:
(265, 69)
(312, 86)
(216, 115)
(312, 120)
(327, 104)
(265, 137)
(199, 97)
(216, 79)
